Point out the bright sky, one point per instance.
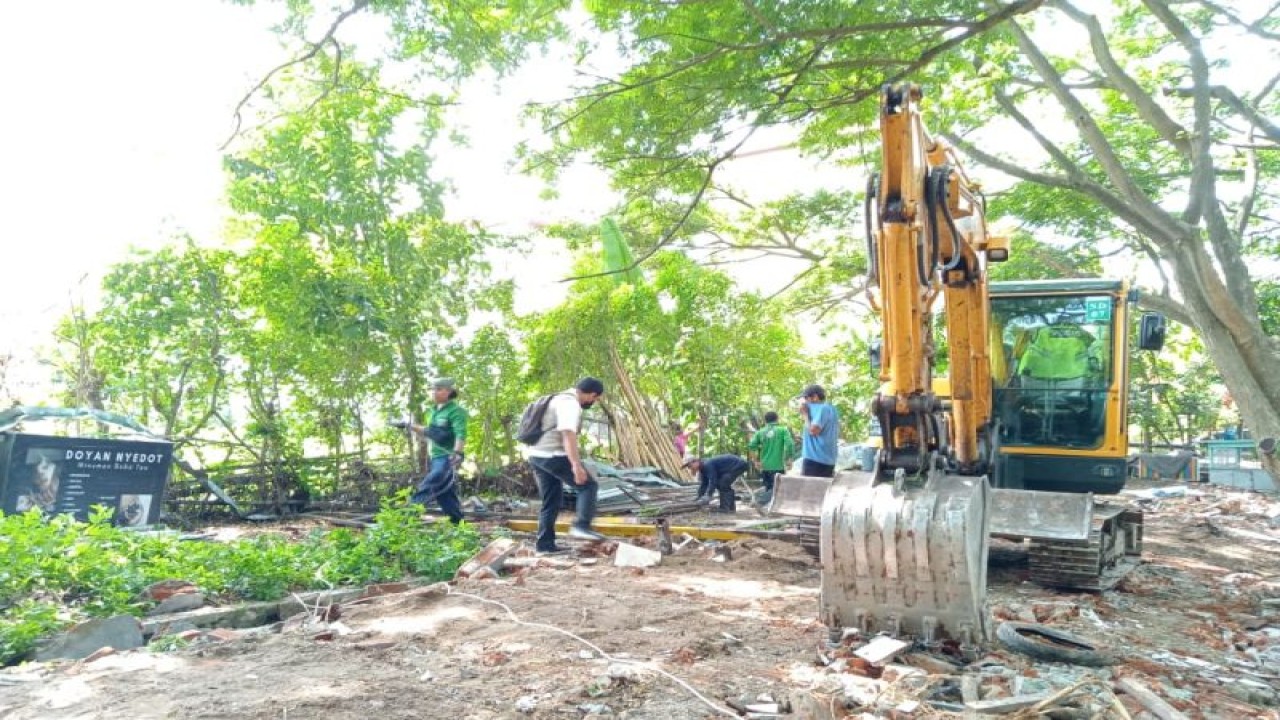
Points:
(117, 111)
(114, 115)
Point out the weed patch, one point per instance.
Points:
(55, 572)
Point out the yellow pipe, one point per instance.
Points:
(638, 530)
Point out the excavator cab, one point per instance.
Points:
(1061, 403)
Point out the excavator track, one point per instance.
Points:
(810, 530)
(1111, 552)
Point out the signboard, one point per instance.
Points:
(71, 475)
(1097, 310)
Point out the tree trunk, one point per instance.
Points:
(1239, 347)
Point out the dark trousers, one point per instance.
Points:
(810, 468)
(704, 486)
(724, 484)
(767, 477)
(441, 485)
(552, 474)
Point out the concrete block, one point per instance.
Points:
(628, 555)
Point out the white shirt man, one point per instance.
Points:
(555, 460)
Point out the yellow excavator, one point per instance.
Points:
(1026, 425)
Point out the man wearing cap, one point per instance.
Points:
(821, 436)
(555, 459)
(447, 431)
(718, 473)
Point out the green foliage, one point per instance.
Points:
(1269, 306)
(1129, 128)
(1175, 394)
(491, 365)
(1032, 259)
(691, 341)
(344, 294)
(158, 345)
(58, 571)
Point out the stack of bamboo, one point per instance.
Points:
(642, 441)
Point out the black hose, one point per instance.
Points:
(957, 240)
(921, 270)
(873, 260)
(932, 195)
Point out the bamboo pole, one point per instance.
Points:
(652, 445)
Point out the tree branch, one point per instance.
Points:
(1203, 200)
(304, 57)
(1156, 261)
(1104, 196)
(1260, 121)
(706, 181)
(1251, 181)
(1147, 107)
(1254, 28)
(1171, 308)
(1066, 162)
(1137, 208)
(1202, 191)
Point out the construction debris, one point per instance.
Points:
(628, 555)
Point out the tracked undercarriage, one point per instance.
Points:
(893, 554)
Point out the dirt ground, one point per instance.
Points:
(696, 638)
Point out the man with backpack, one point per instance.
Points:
(447, 431)
(555, 459)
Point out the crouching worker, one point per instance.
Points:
(447, 431)
(555, 459)
(718, 473)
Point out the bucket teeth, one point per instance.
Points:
(907, 561)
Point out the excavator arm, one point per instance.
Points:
(904, 544)
(929, 242)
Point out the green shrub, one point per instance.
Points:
(55, 572)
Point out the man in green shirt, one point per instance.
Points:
(447, 431)
(772, 446)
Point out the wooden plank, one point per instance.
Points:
(636, 530)
(1152, 702)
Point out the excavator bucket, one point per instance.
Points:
(799, 496)
(910, 561)
(1041, 515)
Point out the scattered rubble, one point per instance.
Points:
(122, 632)
(629, 555)
(1193, 633)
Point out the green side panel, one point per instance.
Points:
(1070, 285)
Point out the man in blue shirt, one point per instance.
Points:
(718, 473)
(822, 434)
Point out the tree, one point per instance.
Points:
(1173, 393)
(356, 277)
(1165, 145)
(343, 295)
(1162, 152)
(691, 341)
(156, 349)
(490, 365)
(1141, 127)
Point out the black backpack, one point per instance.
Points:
(530, 429)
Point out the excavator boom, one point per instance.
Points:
(904, 545)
